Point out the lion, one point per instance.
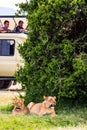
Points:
(44, 108)
(19, 107)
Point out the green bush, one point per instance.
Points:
(55, 51)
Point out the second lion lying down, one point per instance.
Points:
(19, 107)
(46, 107)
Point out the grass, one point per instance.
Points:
(68, 118)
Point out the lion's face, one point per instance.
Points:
(50, 101)
(19, 107)
(19, 103)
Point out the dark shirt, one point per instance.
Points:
(18, 28)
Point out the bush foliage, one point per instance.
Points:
(55, 51)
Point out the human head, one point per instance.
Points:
(20, 23)
(6, 23)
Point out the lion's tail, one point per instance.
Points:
(30, 105)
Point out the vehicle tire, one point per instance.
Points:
(5, 83)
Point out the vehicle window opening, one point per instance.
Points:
(7, 47)
(13, 23)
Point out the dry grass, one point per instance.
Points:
(6, 97)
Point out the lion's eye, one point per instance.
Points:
(51, 100)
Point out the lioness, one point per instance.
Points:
(19, 107)
(46, 107)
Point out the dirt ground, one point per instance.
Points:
(7, 95)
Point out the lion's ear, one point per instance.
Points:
(54, 97)
(15, 98)
(44, 97)
(23, 99)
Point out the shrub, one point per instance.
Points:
(54, 50)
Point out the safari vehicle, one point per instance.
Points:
(9, 62)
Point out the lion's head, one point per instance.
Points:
(50, 101)
(18, 103)
(19, 107)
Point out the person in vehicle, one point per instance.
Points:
(5, 28)
(19, 28)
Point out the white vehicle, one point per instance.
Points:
(10, 61)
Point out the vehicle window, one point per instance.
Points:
(7, 47)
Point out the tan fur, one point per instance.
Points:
(19, 107)
(46, 107)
